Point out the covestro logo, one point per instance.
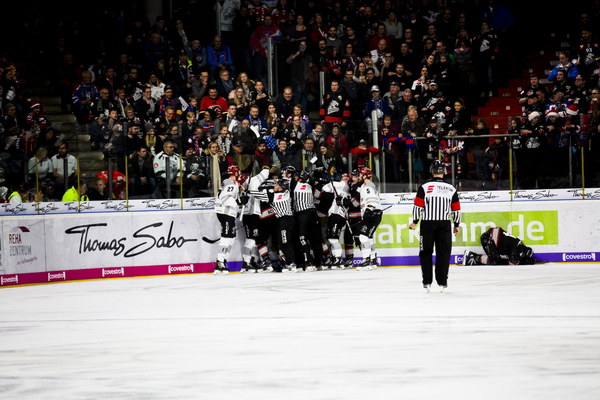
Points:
(575, 257)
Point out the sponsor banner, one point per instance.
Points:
(23, 247)
(504, 195)
(207, 203)
(100, 273)
(115, 244)
(49, 208)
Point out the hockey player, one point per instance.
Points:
(370, 206)
(251, 221)
(307, 221)
(435, 201)
(336, 221)
(500, 249)
(227, 207)
(353, 218)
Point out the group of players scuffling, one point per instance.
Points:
(284, 211)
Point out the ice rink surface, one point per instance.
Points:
(527, 332)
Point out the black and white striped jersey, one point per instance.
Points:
(281, 202)
(436, 200)
(304, 198)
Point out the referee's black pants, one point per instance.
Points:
(438, 233)
(286, 227)
(310, 236)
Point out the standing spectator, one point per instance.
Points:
(141, 172)
(64, 169)
(301, 68)
(335, 106)
(485, 51)
(226, 12)
(377, 104)
(83, 97)
(219, 57)
(167, 170)
(569, 69)
(258, 45)
(197, 54)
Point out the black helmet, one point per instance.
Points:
(289, 170)
(437, 168)
(304, 175)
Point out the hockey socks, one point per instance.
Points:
(225, 245)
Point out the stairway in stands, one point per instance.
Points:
(39, 88)
(499, 109)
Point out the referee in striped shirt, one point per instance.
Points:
(435, 202)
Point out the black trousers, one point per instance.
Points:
(309, 234)
(286, 226)
(438, 234)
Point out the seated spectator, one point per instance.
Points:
(98, 192)
(76, 193)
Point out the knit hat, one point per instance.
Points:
(532, 115)
(572, 109)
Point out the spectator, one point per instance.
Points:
(283, 157)
(258, 44)
(219, 57)
(197, 54)
(363, 154)
(260, 96)
(212, 101)
(566, 66)
(64, 168)
(98, 192)
(167, 171)
(142, 180)
(225, 84)
(83, 97)
(377, 104)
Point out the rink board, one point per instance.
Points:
(96, 243)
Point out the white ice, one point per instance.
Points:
(498, 333)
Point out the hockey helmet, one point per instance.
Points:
(365, 173)
(242, 179)
(437, 168)
(284, 184)
(233, 170)
(304, 175)
(289, 170)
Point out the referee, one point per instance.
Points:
(435, 201)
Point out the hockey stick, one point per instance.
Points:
(211, 241)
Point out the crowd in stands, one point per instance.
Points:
(174, 106)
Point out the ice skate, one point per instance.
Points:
(221, 268)
(469, 258)
(374, 263)
(265, 265)
(349, 263)
(335, 263)
(310, 268)
(245, 268)
(443, 288)
(365, 265)
(290, 268)
(427, 288)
